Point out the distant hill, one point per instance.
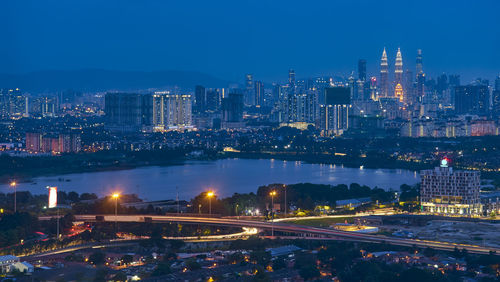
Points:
(103, 80)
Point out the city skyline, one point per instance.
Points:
(166, 36)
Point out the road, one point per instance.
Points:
(307, 232)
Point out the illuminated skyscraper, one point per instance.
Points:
(420, 89)
(398, 76)
(291, 78)
(249, 90)
(384, 76)
(259, 93)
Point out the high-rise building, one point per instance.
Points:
(291, 78)
(13, 103)
(232, 110)
(497, 83)
(128, 111)
(334, 114)
(373, 88)
(214, 99)
(33, 141)
(249, 90)
(200, 103)
(449, 192)
(472, 99)
(362, 70)
(384, 76)
(4, 104)
(398, 68)
(171, 110)
(259, 93)
(420, 79)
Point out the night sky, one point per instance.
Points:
(230, 38)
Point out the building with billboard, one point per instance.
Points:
(448, 192)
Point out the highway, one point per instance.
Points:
(308, 232)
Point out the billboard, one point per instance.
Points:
(52, 197)
(337, 96)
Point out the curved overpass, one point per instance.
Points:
(307, 231)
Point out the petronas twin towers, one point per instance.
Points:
(397, 87)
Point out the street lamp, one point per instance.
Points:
(116, 196)
(14, 184)
(210, 194)
(272, 194)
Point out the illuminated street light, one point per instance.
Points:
(210, 194)
(116, 196)
(272, 194)
(14, 184)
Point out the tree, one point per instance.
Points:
(162, 268)
(120, 276)
(97, 258)
(262, 258)
(308, 271)
(193, 265)
(279, 263)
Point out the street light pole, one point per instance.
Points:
(14, 184)
(273, 193)
(210, 194)
(116, 196)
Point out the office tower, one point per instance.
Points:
(249, 90)
(33, 141)
(419, 63)
(334, 114)
(398, 77)
(4, 104)
(171, 110)
(232, 108)
(128, 111)
(472, 99)
(420, 79)
(213, 99)
(384, 76)
(497, 83)
(373, 88)
(259, 93)
(200, 103)
(449, 192)
(291, 78)
(18, 103)
(408, 87)
(362, 70)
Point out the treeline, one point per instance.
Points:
(304, 196)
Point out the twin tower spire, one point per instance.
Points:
(398, 77)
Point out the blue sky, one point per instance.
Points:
(230, 38)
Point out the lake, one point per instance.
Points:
(225, 176)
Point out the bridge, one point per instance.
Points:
(306, 232)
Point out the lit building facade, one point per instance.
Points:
(448, 192)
